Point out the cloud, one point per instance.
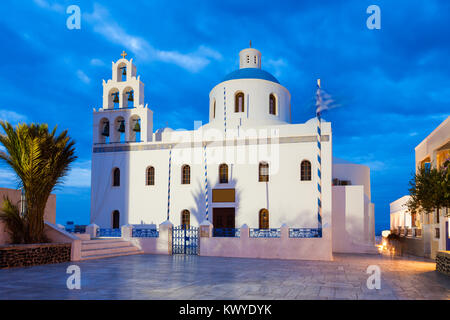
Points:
(97, 62)
(50, 6)
(83, 77)
(106, 26)
(276, 65)
(79, 176)
(12, 116)
(7, 178)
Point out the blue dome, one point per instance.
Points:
(250, 73)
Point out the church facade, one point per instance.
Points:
(248, 166)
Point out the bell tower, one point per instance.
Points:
(250, 58)
(123, 117)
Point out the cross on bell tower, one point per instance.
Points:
(124, 54)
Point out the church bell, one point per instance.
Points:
(106, 129)
(130, 95)
(124, 73)
(137, 126)
(121, 126)
(116, 97)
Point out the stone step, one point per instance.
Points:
(99, 245)
(102, 256)
(91, 252)
(104, 240)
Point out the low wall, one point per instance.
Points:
(23, 255)
(414, 246)
(56, 235)
(443, 262)
(269, 248)
(152, 245)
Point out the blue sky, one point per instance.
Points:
(393, 84)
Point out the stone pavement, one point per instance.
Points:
(194, 277)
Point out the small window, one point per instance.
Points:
(116, 219)
(214, 109)
(186, 174)
(185, 219)
(150, 181)
(264, 219)
(305, 171)
(263, 172)
(223, 173)
(116, 177)
(239, 102)
(272, 104)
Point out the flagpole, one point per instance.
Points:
(168, 185)
(319, 158)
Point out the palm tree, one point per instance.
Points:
(41, 159)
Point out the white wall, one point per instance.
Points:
(256, 106)
(288, 199)
(400, 216)
(269, 248)
(353, 212)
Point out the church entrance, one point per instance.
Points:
(224, 220)
(185, 240)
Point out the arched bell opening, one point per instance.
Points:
(135, 128)
(104, 131)
(113, 98)
(119, 130)
(128, 97)
(122, 72)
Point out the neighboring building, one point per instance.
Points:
(353, 213)
(426, 234)
(248, 165)
(16, 197)
(433, 151)
(401, 219)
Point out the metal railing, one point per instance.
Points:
(265, 233)
(145, 233)
(109, 232)
(305, 233)
(227, 232)
(117, 142)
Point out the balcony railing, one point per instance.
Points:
(145, 233)
(305, 233)
(109, 232)
(116, 142)
(265, 233)
(227, 232)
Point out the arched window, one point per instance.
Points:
(263, 172)
(214, 109)
(185, 174)
(185, 219)
(263, 219)
(116, 177)
(150, 181)
(223, 173)
(305, 171)
(116, 219)
(272, 104)
(239, 102)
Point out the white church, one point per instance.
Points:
(248, 168)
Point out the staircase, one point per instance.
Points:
(106, 248)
